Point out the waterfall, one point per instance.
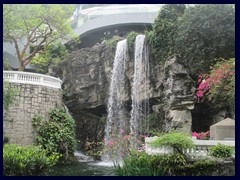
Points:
(140, 88)
(119, 124)
(116, 119)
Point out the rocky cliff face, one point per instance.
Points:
(179, 95)
(86, 77)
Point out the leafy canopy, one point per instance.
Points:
(35, 25)
(205, 34)
(199, 35)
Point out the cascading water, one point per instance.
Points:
(140, 88)
(118, 122)
(116, 119)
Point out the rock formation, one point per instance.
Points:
(86, 77)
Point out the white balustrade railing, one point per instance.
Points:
(201, 147)
(32, 78)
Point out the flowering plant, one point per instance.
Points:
(202, 135)
(118, 145)
(219, 85)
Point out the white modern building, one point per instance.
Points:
(94, 22)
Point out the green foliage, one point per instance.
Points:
(9, 94)
(221, 151)
(154, 123)
(131, 41)
(204, 34)
(177, 140)
(203, 167)
(39, 24)
(199, 35)
(57, 135)
(36, 120)
(49, 56)
(139, 164)
(112, 43)
(6, 140)
(164, 31)
(142, 164)
(26, 161)
(6, 65)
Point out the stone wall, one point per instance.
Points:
(29, 100)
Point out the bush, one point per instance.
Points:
(219, 85)
(142, 164)
(139, 164)
(176, 140)
(26, 161)
(58, 134)
(221, 151)
(201, 167)
(9, 94)
(131, 41)
(202, 135)
(112, 43)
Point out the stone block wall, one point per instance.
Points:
(29, 101)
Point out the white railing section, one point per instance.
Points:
(32, 78)
(201, 147)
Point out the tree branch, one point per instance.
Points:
(28, 58)
(16, 47)
(29, 40)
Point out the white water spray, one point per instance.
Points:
(140, 88)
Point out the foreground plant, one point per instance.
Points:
(177, 140)
(57, 135)
(26, 160)
(221, 151)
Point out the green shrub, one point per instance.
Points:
(112, 43)
(221, 151)
(203, 167)
(57, 135)
(6, 140)
(26, 161)
(176, 140)
(131, 41)
(139, 164)
(9, 94)
(142, 164)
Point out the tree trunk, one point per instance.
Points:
(21, 68)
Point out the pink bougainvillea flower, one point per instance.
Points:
(231, 73)
(126, 137)
(195, 134)
(110, 143)
(121, 131)
(199, 94)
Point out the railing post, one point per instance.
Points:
(15, 77)
(41, 80)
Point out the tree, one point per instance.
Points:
(164, 29)
(205, 33)
(36, 25)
